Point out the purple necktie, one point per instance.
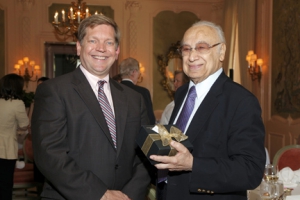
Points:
(187, 109)
(107, 111)
(181, 124)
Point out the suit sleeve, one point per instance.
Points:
(140, 179)
(50, 144)
(150, 108)
(238, 164)
(21, 115)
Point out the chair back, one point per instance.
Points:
(288, 156)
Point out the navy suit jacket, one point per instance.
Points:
(227, 133)
(146, 94)
(72, 144)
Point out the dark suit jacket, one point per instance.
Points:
(72, 144)
(227, 133)
(146, 94)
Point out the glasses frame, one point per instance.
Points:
(190, 49)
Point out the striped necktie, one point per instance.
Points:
(107, 111)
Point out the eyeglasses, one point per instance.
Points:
(201, 48)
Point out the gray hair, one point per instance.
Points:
(218, 29)
(127, 65)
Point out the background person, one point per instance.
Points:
(223, 122)
(42, 79)
(179, 79)
(130, 72)
(82, 153)
(13, 117)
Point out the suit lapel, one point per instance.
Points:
(83, 88)
(121, 110)
(206, 108)
(201, 116)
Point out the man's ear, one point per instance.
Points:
(78, 48)
(222, 52)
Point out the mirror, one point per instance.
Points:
(60, 57)
(168, 65)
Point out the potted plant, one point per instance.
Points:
(28, 98)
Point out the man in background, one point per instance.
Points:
(130, 72)
(42, 79)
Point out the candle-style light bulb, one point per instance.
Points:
(87, 13)
(71, 13)
(36, 67)
(56, 17)
(31, 63)
(17, 66)
(78, 16)
(25, 59)
(63, 15)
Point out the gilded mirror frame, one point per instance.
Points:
(168, 64)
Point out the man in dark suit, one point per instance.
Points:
(82, 152)
(130, 72)
(224, 126)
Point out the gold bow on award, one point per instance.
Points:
(166, 137)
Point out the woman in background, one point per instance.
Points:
(13, 116)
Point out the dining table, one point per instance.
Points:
(290, 193)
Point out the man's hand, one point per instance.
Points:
(114, 195)
(182, 161)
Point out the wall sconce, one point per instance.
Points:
(142, 70)
(24, 67)
(254, 66)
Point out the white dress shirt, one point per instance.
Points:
(93, 80)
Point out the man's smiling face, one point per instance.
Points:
(98, 50)
(198, 66)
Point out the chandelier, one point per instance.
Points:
(27, 69)
(69, 22)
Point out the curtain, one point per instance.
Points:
(239, 30)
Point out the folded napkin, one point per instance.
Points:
(294, 197)
(289, 177)
(20, 164)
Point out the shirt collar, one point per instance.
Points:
(204, 86)
(92, 79)
(127, 79)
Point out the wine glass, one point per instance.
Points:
(270, 173)
(267, 190)
(279, 189)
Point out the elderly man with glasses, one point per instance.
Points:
(221, 119)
